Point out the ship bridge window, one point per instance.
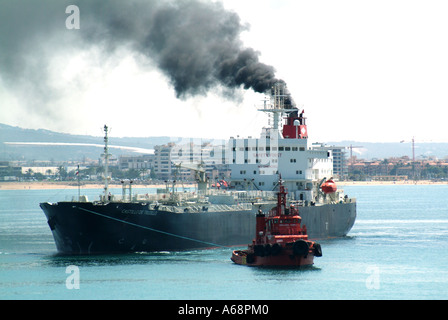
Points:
(280, 148)
(287, 148)
(302, 148)
(294, 148)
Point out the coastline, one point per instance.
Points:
(380, 183)
(39, 185)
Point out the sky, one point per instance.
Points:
(373, 71)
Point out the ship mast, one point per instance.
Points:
(277, 106)
(106, 162)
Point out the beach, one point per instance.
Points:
(48, 185)
(381, 183)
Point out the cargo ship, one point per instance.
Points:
(210, 217)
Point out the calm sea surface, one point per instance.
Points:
(397, 249)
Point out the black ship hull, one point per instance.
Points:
(92, 228)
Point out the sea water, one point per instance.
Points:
(397, 249)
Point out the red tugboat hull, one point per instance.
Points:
(245, 257)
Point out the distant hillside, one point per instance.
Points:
(63, 153)
(368, 150)
(378, 150)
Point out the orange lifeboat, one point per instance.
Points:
(329, 186)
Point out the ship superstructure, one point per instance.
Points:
(284, 150)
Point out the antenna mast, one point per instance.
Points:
(277, 104)
(106, 162)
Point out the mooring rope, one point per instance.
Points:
(152, 229)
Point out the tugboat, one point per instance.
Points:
(280, 239)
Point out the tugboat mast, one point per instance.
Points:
(106, 163)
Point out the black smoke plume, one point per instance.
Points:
(196, 44)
